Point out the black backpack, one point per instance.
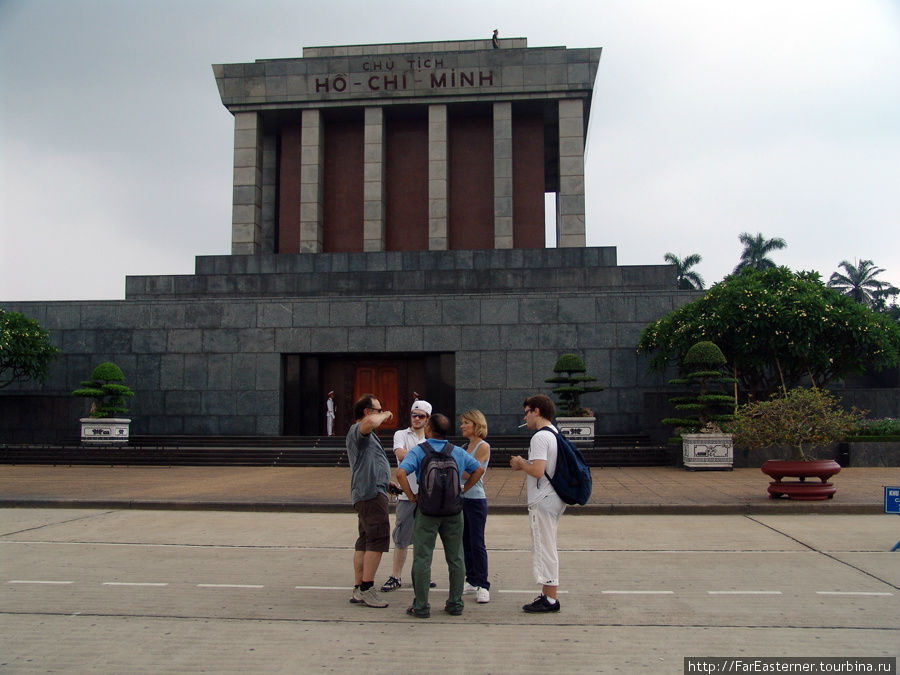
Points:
(440, 493)
(572, 478)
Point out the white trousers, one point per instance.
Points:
(544, 516)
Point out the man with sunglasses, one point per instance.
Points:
(545, 508)
(404, 517)
(370, 476)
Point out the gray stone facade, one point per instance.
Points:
(204, 352)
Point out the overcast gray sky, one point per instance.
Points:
(709, 118)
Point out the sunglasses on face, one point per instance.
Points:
(418, 416)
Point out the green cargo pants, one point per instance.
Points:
(425, 531)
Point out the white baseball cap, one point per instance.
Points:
(424, 406)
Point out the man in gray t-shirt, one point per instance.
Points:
(370, 475)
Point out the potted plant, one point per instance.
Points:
(576, 422)
(105, 422)
(801, 419)
(704, 444)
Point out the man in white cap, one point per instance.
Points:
(404, 517)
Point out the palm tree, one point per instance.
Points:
(859, 282)
(686, 280)
(756, 250)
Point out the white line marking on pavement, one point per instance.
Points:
(851, 593)
(134, 583)
(48, 583)
(230, 586)
(638, 592)
(744, 592)
(409, 589)
(531, 592)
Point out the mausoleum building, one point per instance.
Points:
(388, 235)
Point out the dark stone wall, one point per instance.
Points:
(203, 353)
(411, 272)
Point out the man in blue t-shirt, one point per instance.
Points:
(426, 528)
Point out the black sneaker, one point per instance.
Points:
(541, 604)
(392, 584)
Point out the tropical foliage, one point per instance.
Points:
(755, 255)
(777, 329)
(802, 419)
(860, 282)
(572, 384)
(704, 364)
(107, 391)
(686, 279)
(25, 349)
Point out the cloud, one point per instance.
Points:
(708, 119)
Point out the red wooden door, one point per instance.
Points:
(384, 383)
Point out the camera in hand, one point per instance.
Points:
(395, 489)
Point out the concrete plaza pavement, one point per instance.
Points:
(186, 591)
(640, 490)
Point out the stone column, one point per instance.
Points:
(246, 205)
(570, 206)
(437, 178)
(373, 180)
(503, 175)
(312, 209)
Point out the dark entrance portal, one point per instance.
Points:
(393, 378)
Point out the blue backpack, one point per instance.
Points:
(572, 478)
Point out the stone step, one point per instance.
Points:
(286, 451)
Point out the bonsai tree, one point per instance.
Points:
(107, 391)
(704, 363)
(25, 349)
(572, 385)
(802, 419)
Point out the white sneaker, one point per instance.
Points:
(469, 589)
(482, 595)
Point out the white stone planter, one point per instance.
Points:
(105, 430)
(579, 430)
(707, 451)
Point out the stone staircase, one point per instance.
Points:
(619, 450)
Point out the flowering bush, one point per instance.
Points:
(25, 349)
(802, 418)
(777, 329)
(886, 426)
